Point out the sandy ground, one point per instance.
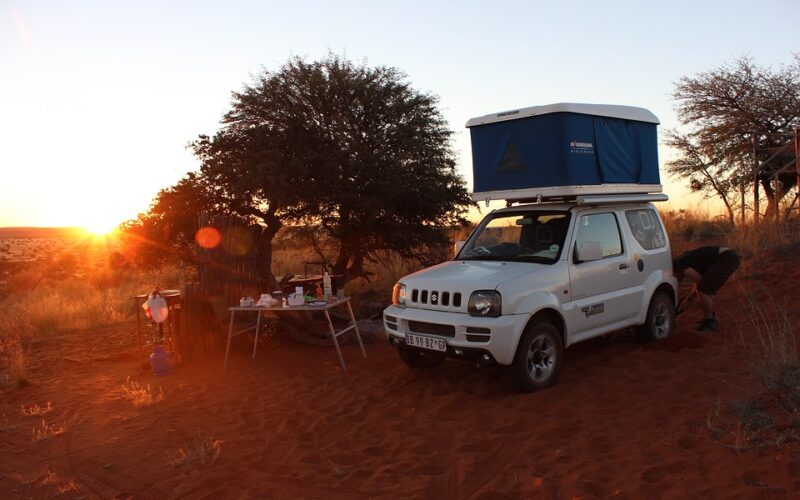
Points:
(627, 420)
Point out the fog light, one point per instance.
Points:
(487, 358)
(458, 352)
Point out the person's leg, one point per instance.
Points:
(713, 279)
(707, 302)
(693, 275)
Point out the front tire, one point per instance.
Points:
(539, 357)
(421, 359)
(660, 321)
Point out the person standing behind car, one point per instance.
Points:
(709, 268)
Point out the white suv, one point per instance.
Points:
(534, 279)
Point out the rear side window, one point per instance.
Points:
(646, 228)
(600, 229)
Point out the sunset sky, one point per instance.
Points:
(99, 99)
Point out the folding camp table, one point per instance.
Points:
(324, 308)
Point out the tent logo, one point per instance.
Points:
(581, 147)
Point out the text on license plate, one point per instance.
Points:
(426, 342)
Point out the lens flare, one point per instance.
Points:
(208, 237)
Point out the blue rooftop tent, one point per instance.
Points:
(564, 150)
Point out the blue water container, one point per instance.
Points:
(159, 361)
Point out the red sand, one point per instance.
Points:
(626, 420)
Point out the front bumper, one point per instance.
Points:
(467, 336)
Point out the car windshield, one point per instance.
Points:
(518, 236)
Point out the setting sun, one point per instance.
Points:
(101, 228)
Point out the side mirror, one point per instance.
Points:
(589, 251)
(458, 246)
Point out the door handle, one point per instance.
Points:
(623, 266)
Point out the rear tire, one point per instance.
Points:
(660, 321)
(538, 360)
(421, 359)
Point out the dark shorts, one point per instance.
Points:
(719, 272)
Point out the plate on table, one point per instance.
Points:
(317, 303)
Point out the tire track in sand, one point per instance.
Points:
(91, 477)
(489, 468)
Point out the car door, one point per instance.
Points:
(603, 291)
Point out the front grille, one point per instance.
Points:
(432, 328)
(436, 298)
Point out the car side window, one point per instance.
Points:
(646, 228)
(600, 229)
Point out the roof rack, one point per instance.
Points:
(561, 194)
(611, 199)
(595, 199)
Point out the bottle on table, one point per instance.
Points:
(326, 283)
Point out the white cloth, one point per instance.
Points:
(267, 300)
(158, 307)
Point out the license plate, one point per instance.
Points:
(424, 342)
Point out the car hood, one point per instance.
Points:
(467, 276)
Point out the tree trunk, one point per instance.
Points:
(774, 196)
(742, 191)
(728, 207)
(731, 216)
(350, 262)
(273, 225)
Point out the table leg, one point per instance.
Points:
(358, 333)
(258, 327)
(335, 341)
(228, 346)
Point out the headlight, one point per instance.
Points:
(485, 303)
(399, 294)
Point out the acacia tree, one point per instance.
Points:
(705, 169)
(351, 150)
(167, 229)
(727, 111)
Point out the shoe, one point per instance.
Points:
(707, 325)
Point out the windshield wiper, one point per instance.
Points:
(534, 258)
(482, 257)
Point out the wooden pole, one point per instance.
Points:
(182, 286)
(797, 168)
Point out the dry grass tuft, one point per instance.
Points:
(339, 471)
(61, 485)
(752, 416)
(47, 306)
(47, 431)
(141, 396)
(777, 365)
(771, 417)
(36, 410)
(714, 421)
(16, 361)
(202, 450)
